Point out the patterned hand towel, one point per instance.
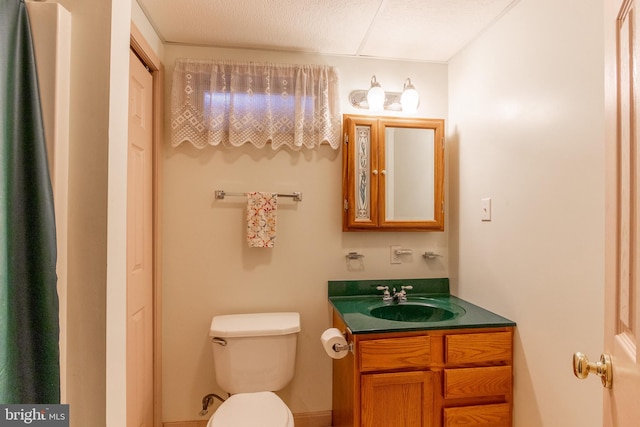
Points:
(261, 219)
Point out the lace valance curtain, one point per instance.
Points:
(234, 103)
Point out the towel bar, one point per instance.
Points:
(354, 255)
(221, 194)
(430, 255)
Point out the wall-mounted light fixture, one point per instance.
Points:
(376, 99)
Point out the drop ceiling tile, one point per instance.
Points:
(328, 26)
(429, 29)
(421, 30)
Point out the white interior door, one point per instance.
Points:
(622, 259)
(140, 331)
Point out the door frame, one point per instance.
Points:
(143, 50)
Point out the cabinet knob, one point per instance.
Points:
(375, 171)
(384, 172)
(582, 368)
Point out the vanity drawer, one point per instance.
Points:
(498, 415)
(478, 348)
(477, 382)
(394, 353)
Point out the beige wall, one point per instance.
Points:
(97, 131)
(526, 129)
(88, 142)
(116, 292)
(209, 270)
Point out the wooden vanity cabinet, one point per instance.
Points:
(448, 378)
(397, 398)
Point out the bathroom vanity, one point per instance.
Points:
(442, 370)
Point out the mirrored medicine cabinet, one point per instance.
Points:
(392, 174)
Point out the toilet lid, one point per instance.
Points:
(263, 409)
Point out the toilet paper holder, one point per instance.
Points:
(348, 346)
(336, 343)
(340, 347)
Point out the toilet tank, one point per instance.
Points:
(254, 352)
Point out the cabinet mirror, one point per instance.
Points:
(393, 174)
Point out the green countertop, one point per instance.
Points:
(353, 298)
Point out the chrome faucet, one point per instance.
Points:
(402, 295)
(396, 297)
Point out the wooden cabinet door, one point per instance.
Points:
(360, 173)
(397, 399)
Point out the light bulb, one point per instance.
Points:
(410, 98)
(375, 96)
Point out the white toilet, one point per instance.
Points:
(254, 354)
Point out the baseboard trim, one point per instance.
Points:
(305, 419)
(202, 423)
(313, 419)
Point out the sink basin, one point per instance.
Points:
(416, 312)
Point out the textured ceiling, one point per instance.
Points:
(418, 30)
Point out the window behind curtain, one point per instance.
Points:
(234, 103)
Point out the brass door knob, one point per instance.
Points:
(582, 368)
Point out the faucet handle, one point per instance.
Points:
(386, 296)
(402, 295)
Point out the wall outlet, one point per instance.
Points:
(394, 258)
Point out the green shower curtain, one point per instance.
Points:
(29, 329)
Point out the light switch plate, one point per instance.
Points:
(485, 204)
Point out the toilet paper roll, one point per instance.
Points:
(334, 343)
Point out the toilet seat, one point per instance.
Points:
(264, 409)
